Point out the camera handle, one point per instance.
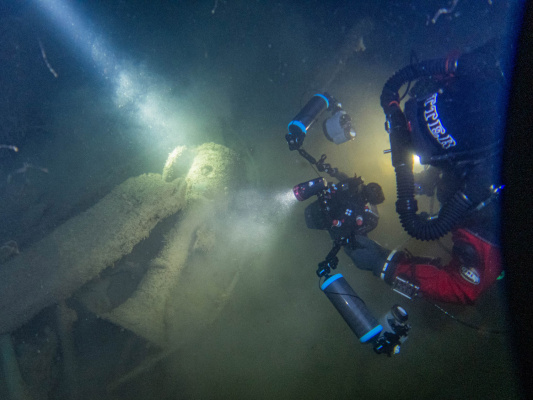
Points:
(321, 166)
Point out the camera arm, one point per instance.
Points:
(321, 166)
(331, 261)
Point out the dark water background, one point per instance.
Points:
(235, 73)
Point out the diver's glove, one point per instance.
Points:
(367, 254)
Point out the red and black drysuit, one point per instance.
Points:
(475, 265)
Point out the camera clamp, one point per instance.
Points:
(331, 261)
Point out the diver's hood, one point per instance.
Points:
(460, 121)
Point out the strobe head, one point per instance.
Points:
(338, 127)
(310, 188)
(398, 315)
(395, 332)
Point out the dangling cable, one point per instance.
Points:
(468, 324)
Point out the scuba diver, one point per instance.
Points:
(453, 121)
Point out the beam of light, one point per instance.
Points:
(285, 200)
(137, 92)
(84, 39)
(257, 218)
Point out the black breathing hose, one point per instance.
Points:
(411, 73)
(416, 225)
(456, 208)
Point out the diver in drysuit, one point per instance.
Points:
(453, 122)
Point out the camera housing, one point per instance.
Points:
(345, 209)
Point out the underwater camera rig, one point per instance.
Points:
(345, 209)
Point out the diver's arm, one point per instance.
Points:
(475, 265)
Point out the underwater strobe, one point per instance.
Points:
(352, 309)
(337, 128)
(361, 321)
